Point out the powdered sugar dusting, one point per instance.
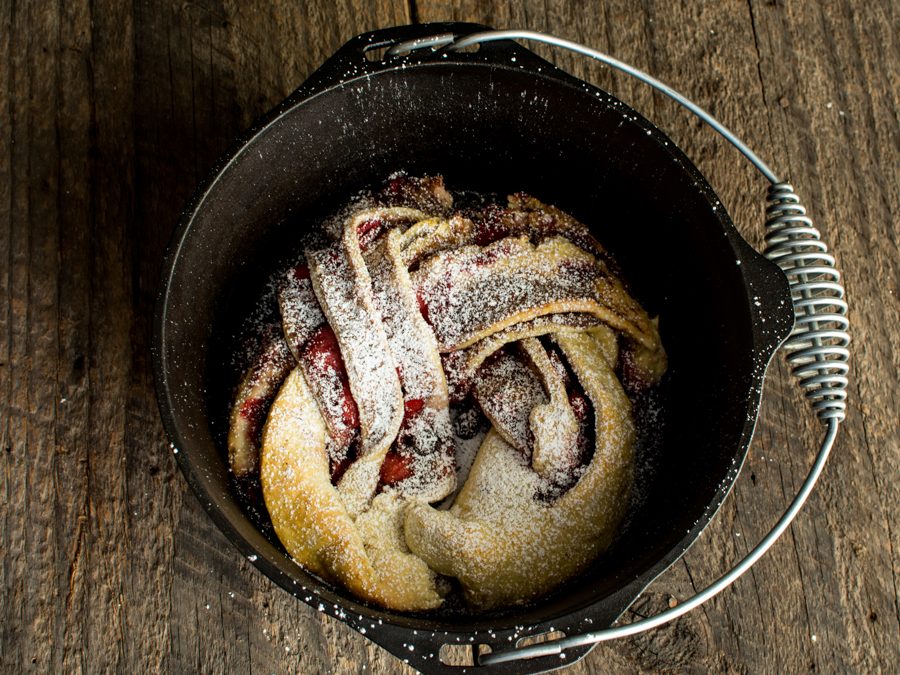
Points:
(300, 311)
(343, 289)
(406, 297)
(472, 291)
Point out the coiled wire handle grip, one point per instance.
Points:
(816, 349)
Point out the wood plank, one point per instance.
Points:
(74, 202)
(31, 402)
(111, 154)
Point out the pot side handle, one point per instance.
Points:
(769, 298)
(363, 55)
(455, 654)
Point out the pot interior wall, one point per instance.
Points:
(495, 130)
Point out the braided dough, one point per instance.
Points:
(255, 393)
(507, 547)
(512, 281)
(368, 555)
(412, 308)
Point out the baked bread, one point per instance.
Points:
(414, 308)
(367, 555)
(502, 542)
(254, 396)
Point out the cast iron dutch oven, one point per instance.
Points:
(497, 120)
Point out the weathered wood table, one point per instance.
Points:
(110, 114)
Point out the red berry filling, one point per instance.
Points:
(423, 306)
(580, 405)
(583, 410)
(412, 407)
(253, 410)
(368, 231)
(490, 226)
(322, 354)
(395, 468)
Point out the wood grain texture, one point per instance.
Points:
(110, 114)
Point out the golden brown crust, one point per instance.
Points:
(254, 395)
(368, 555)
(504, 545)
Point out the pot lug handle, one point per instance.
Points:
(426, 652)
(404, 45)
(769, 298)
(351, 61)
(468, 649)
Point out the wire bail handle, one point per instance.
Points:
(816, 349)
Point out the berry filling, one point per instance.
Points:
(322, 357)
(490, 225)
(423, 306)
(470, 421)
(395, 468)
(254, 411)
(397, 465)
(412, 407)
(368, 232)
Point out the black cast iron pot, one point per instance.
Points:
(498, 120)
